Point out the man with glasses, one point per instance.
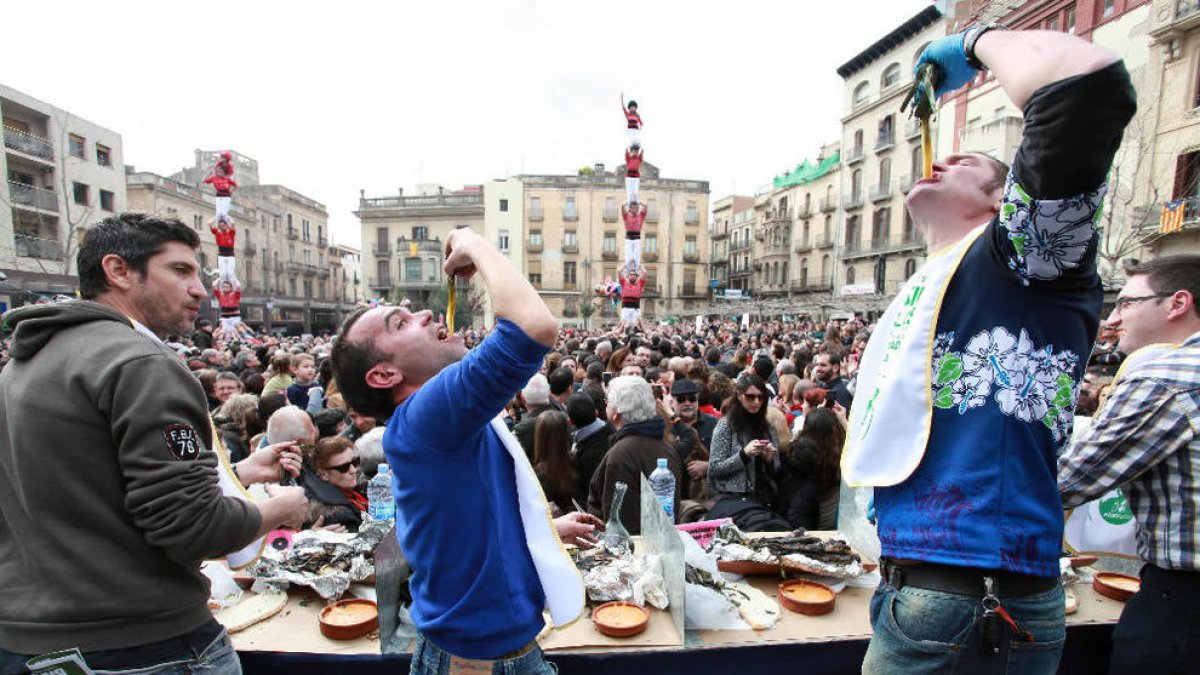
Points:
(1146, 440)
(691, 426)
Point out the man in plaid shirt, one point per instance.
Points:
(1146, 439)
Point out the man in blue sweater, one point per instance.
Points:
(470, 516)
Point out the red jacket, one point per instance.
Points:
(633, 164)
(222, 184)
(229, 302)
(226, 238)
(632, 119)
(631, 290)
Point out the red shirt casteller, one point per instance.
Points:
(634, 220)
(222, 184)
(633, 164)
(226, 237)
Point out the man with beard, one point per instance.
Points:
(105, 440)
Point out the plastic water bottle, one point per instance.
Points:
(662, 481)
(380, 503)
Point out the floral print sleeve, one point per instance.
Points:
(1048, 239)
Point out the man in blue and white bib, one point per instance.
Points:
(966, 392)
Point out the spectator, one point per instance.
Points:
(810, 482)
(553, 462)
(225, 384)
(537, 401)
(335, 504)
(591, 439)
(304, 373)
(281, 374)
(744, 461)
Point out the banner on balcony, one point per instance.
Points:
(1171, 218)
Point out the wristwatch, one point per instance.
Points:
(972, 36)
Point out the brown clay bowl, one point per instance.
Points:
(349, 619)
(807, 597)
(620, 619)
(1116, 586)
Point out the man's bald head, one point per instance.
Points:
(291, 424)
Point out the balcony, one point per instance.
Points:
(740, 272)
(28, 144)
(804, 245)
(823, 241)
(322, 241)
(404, 247)
(306, 269)
(441, 201)
(1186, 17)
(691, 219)
(828, 204)
(293, 233)
(23, 194)
(816, 285)
(535, 214)
(692, 257)
(1001, 135)
(381, 284)
(739, 245)
(852, 201)
(608, 255)
(570, 248)
(610, 215)
(854, 156)
(532, 247)
(249, 247)
(32, 246)
(903, 242)
(570, 215)
(912, 130)
(885, 142)
(418, 284)
(906, 183)
(803, 211)
(652, 216)
(381, 248)
(1148, 216)
(881, 192)
(650, 256)
(692, 292)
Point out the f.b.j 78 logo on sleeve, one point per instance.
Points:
(182, 441)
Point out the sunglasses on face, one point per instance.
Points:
(686, 398)
(343, 468)
(755, 397)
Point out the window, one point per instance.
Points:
(650, 243)
(289, 223)
(885, 174)
(292, 287)
(569, 210)
(824, 266)
(693, 216)
(431, 269)
(570, 240)
(852, 234)
(81, 193)
(106, 200)
(306, 227)
(569, 275)
(860, 93)
(78, 146)
(412, 269)
(891, 76)
(502, 240)
(880, 225)
(535, 238)
(886, 137)
(196, 220)
(420, 232)
(1052, 23)
(910, 268)
(827, 231)
(856, 185)
(651, 279)
(535, 208)
(1070, 22)
(103, 155)
(916, 165)
(1107, 7)
(849, 276)
(610, 208)
(690, 246)
(652, 211)
(503, 205)
(858, 143)
(689, 282)
(535, 273)
(610, 243)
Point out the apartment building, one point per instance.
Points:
(62, 174)
(718, 235)
(877, 244)
(574, 239)
(741, 249)
(407, 235)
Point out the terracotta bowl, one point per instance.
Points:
(620, 619)
(1116, 586)
(807, 597)
(349, 619)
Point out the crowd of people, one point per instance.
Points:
(956, 405)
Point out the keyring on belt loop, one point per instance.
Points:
(990, 601)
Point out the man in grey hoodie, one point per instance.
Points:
(109, 499)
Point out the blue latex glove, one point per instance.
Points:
(948, 55)
(871, 510)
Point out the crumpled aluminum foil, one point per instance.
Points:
(630, 578)
(327, 562)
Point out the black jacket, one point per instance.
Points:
(327, 499)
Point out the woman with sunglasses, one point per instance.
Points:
(332, 485)
(744, 460)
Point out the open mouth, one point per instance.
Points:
(442, 334)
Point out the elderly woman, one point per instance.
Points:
(332, 486)
(744, 460)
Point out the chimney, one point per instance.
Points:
(599, 168)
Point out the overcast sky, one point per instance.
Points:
(334, 97)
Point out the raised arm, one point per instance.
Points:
(1025, 61)
(513, 297)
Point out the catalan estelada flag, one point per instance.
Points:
(1171, 218)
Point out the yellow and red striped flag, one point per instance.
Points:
(1171, 218)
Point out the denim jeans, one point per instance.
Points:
(218, 658)
(1159, 630)
(923, 631)
(428, 659)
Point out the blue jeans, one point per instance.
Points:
(428, 659)
(179, 656)
(923, 631)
